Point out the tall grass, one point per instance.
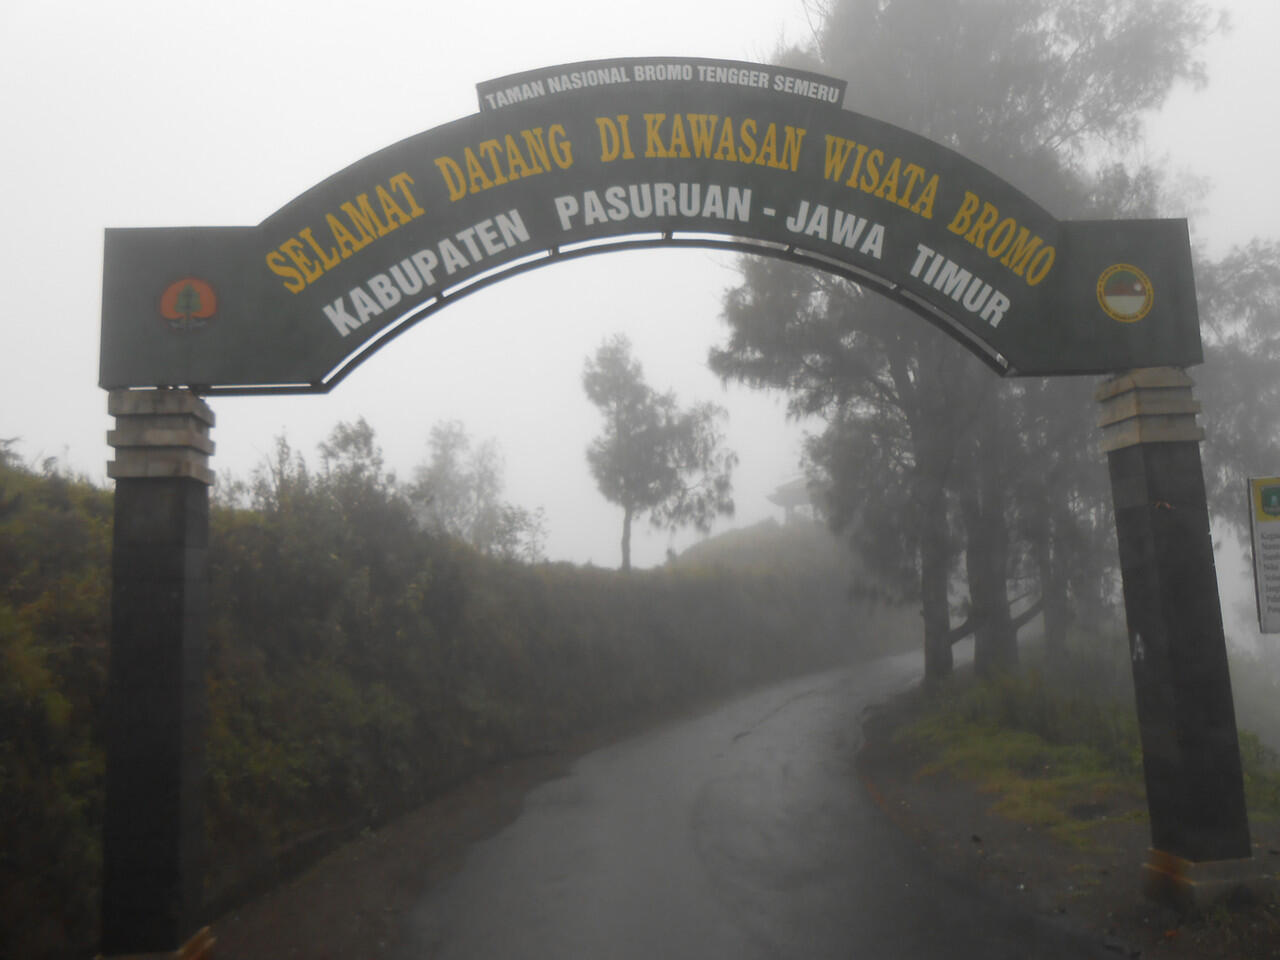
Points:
(1057, 742)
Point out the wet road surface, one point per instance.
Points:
(742, 833)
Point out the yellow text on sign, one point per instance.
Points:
(303, 259)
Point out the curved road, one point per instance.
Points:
(739, 834)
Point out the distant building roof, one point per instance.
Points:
(793, 493)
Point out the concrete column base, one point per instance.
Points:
(1190, 887)
(160, 434)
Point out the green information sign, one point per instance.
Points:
(1264, 523)
(620, 154)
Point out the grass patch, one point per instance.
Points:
(1067, 789)
(1261, 777)
(1062, 755)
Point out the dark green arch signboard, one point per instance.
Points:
(621, 154)
(626, 154)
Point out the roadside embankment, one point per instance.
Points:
(1034, 791)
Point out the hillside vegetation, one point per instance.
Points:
(358, 665)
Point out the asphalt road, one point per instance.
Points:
(740, 834)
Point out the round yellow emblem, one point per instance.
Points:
(1125, 293)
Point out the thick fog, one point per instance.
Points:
(155, 114)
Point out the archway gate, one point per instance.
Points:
(624, 154)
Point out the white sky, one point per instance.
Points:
(135, 113)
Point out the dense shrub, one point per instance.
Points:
(1078, 706)
(357, 666)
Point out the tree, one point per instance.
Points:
(1058, 82)
(892, 391)
(458, 493)
(653, 457)
(1240, 319)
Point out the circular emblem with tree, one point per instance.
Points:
(188, 303)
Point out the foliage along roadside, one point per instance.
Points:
(1060, 754)
(1033, 782)
(358, 665)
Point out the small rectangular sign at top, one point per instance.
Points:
(1264, 522)
(639, 71)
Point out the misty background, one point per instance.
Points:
(178, 114)
(360, 663)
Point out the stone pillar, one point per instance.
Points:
(1190, 752)
(153, 826)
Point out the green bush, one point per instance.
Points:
(357, 666)
(1047, 747)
